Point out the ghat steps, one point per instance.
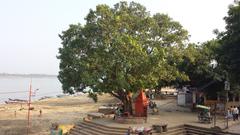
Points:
(91, 128)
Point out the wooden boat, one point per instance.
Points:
(16, 101)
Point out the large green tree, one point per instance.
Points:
(121, 50)
(200, 64)
(229, 51)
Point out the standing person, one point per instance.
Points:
(237, 112)
(234, 113)
(228, 113)
(231, 111)
(151, 95)
(40, 113)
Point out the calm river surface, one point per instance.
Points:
(18, 87)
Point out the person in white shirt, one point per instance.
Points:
(237, 112)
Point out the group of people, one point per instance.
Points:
(40, 113)
(149, 94)
(233, 112)
(152, 104)
(139, 131)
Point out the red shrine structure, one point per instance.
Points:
(141, 105)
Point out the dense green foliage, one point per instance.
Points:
(225, 50)
(120, 50)
(124, 49)
(197, 63)
(229, 51)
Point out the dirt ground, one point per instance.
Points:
(170, 114)
(69, 110)
(65, 110)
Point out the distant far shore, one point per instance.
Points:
(25, 75)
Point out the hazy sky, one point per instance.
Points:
(29, 29)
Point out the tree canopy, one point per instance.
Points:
(121, 49)
(228, 52)
(224, 50)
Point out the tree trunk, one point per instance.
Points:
(127, 102)
(157, 93)
(126, 99)
(127, 105)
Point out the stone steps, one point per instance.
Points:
(194, 130)
(106, 128)
(91, 128)
(75, 131)
(203, 131)
(100, 131)
(178, 130)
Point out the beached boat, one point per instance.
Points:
(15, 101)
(61, 95)
(45, 97)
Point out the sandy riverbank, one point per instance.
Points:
(65, 110)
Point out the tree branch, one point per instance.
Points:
(115, 95)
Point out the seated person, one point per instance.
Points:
(117, 113)
(151, 104)
(129, 131)
(207, 114)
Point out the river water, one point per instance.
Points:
(18, 87)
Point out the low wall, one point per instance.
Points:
(221, 106)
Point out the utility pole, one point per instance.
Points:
(29, 107)
(215, 118)
(226, 107)
(226, 88)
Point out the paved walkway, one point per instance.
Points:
(175, 115)
(235, 127)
